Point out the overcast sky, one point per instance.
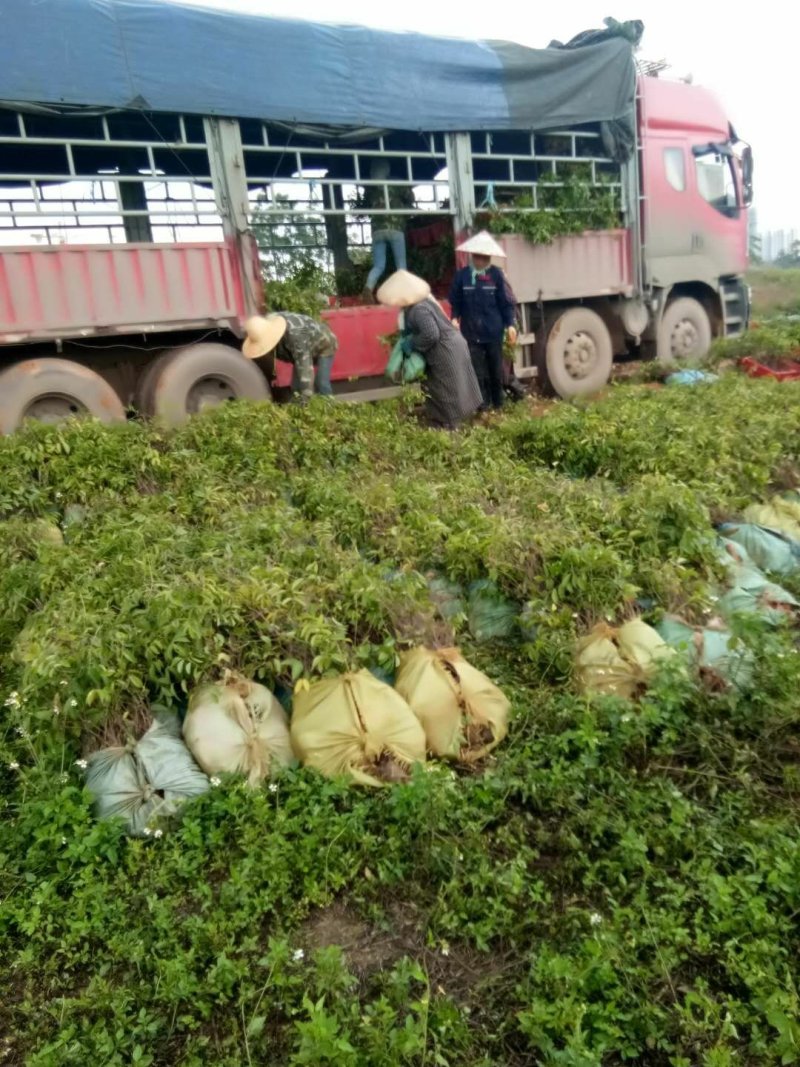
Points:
(746, 52)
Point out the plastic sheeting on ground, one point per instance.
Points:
(356, 725)
(464, 714)
(237, 727)
(145, 781)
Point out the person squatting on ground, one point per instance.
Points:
(482, 306)
(306, 343)
(452, 393)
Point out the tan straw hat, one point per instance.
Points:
(482, 244)
(403, 290)
(262, 335)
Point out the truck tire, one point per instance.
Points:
(684, 332)
(577, 355)
(186, 381)
(52, 390)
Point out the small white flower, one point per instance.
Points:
(63, 683)
(158, 833)
(63, 840)
(214, 781)
(445, 949)
(59, 495)
(272, 787)
(81, 763)
(22, 731)
(63, 778)
(298, 955)
(13, 766)
(147, 831)
(72, 703)
(626, 718)
(595, 918)
(12, 700)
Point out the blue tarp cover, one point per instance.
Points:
(163, 56)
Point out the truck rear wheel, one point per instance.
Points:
(189, 380)
(685, 331)
(52, 390)
(577, 355)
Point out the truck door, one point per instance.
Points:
(720, 225)
(669, 223)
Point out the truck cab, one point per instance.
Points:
(696, 187)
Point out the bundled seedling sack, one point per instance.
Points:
(138, 783)
(237, 727)
(491, 615)
(619, 662)
(782, 513)
(447, 596)
(463, 713)
(753, 594)
(357, 726)
(715, 653)
(771, 550)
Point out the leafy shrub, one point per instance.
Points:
(620, 884)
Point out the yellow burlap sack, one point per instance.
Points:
(780, 514)
(463, 713)
(619, 662)
(237, 727)
(359, 726)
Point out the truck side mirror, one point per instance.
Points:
(747, 175)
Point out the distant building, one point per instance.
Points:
(775, 243)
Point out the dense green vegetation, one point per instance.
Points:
(620, 884)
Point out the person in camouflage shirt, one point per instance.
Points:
(308, 343)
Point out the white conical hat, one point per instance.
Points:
(262, 335)
(482, 244)
(403, 290)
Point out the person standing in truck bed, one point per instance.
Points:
(306, 343)
(480, 306)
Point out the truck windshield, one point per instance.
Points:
(716, 181)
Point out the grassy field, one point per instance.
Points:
(620, 884)
(774, 291)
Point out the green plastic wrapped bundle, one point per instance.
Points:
(447, 596)
(148, 780)
(491, 615)
(715, 653)
(753, 594)
(770, 550)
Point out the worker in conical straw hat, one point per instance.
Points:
(451, 389)
(297, 339)
(402, 290)
(483, 308)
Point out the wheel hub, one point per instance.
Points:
(52, 408)
(580, 355)
(684, 339)
(209, 392)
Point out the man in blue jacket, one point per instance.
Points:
(482, 307)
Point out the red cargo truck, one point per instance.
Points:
(140, 208)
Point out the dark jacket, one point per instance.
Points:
(482, 304)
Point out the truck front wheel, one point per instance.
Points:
(52, 390)
(577, 355)
(190, 380)
(685, 331)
